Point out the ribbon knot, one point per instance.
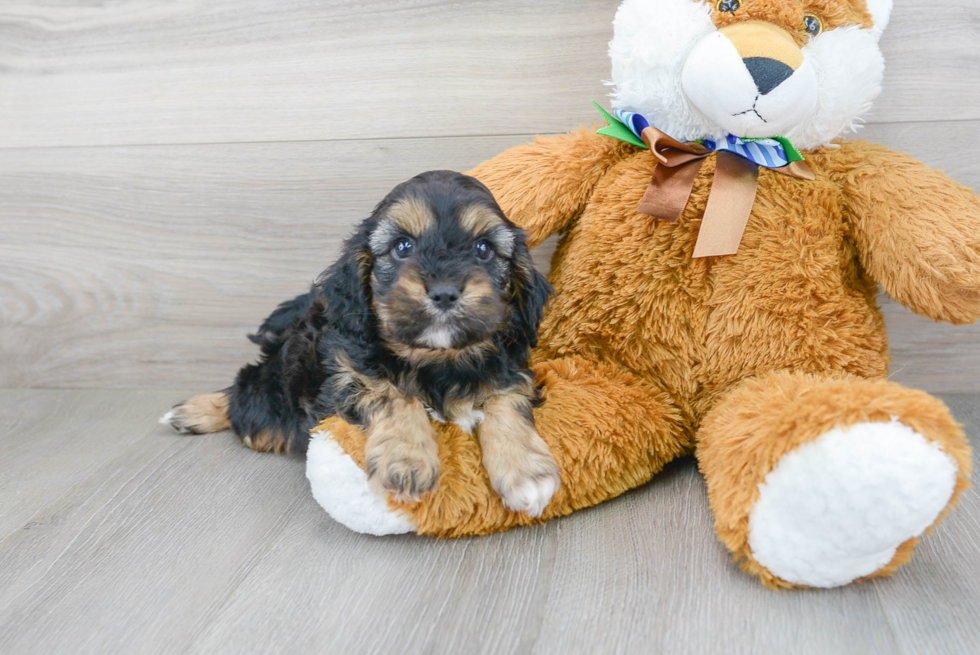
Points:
(733, 189)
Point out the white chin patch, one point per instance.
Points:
(439, 337)
(837, 508)
(718, 84)
(341, 487)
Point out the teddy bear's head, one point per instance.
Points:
(802, 69)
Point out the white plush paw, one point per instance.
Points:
(837, 508)
(341, 487)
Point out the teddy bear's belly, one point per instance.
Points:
(628, 292)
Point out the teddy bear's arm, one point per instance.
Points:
(917, 232)
(542, 186)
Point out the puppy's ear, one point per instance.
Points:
(346, 288)
(529, 294)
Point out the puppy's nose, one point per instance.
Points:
(767, 73)
(444, 296)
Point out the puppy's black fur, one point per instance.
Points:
(367, 322)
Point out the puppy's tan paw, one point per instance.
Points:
(525, 483)
(404, 468)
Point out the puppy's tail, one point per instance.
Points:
(203, 413)
(285, 316)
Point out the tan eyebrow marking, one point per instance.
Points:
(477, 219)
(412, 215)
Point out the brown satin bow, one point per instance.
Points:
(729, 201)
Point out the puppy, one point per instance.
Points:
(430, 312)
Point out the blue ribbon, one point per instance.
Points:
(768, 153)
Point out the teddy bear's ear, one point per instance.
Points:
(881, 12)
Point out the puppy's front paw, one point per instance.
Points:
(403, 467)
(525, 482)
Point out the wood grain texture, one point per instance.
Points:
(118, 536)
(143, 266)
(154, 528)
(146, 267)
(931, 607)
(140, 72)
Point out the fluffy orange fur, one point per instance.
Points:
(608, 431)
(834, 14)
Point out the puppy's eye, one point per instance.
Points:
(403, 248)
(730, 6)
(483, 250)
(812, 25)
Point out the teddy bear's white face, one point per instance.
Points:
(803, 69)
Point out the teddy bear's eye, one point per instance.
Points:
(812, 25)
(728, 5)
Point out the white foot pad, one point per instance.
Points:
(341, 487)
(838, 507)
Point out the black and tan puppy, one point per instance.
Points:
(430, 312)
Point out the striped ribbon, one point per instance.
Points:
(769, 153)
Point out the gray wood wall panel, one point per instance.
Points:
(129, 265)
(246, 70)
(146, 266)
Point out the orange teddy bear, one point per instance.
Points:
(769, 364)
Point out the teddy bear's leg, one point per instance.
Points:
(339, 482)
(822, 480)
(608, 430)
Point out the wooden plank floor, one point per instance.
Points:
(117, 536)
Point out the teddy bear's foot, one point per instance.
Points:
(342, 489)
(837, 508)
(819, 481)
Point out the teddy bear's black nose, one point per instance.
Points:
(444, 296)
(767, 73)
